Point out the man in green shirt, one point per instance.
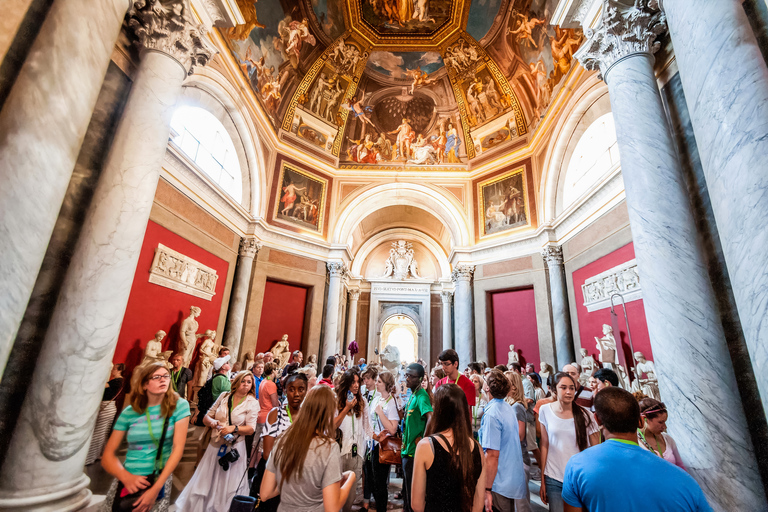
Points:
(221, 368)
(418, 411)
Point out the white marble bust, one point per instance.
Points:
(512, 356)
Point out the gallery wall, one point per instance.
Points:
(283, 312)
(514, 323)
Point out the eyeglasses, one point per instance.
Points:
(160, 377)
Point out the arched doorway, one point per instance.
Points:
(401, 332)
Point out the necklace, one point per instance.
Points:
(658, 451)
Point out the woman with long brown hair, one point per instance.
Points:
(653, 436)
(384, 419)
(355, 425)
(305, 467)
(566, 429)
(448, 468)
(155, 412)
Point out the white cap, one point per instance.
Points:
(218, 363)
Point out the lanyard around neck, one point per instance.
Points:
(175, 380)
(288, 410)
(152, 435)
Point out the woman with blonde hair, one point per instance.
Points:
(305, 467)
(480, 403)
(155, 426)
(516, 398)
(219, 476)
(384, 420)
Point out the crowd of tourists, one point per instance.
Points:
(462, 438)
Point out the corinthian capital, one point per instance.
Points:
(463, 273)
(168, 26)
(336, 269)
(249, 247)
(354, 294)
(623, 31)
(553, 255)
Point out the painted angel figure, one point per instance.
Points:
(524, 30)
(355, 105)
(293, 35)
(419, 77)
(241, 32)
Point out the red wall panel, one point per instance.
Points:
(282, 313)
(591, 324)
(152, 307)
(514, 322)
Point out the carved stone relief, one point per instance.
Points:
(174, 270)
(623, 279)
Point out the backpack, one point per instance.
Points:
(205, 400)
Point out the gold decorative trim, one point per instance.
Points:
(308, 175)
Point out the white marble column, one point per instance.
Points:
(447, 298)
(693, 363)
(561, 315)
(354, 296)
(42, 125)
(44, 466)
(728, 105)
(233, 332)
(464, 337)
(336, 272)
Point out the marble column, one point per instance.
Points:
(42, 125)
(464, 337)
(44, 466)
(447, 298)
(336, 272)
(728, 105)
(233, 332)
(561, 315)
(692, 360)
(354, 296)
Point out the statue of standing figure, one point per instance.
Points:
(512, 356)
(607, 347)
(645, 375)
(206, 355)
(188, 336)
(588, 364)
(153, 352)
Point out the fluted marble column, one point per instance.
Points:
(233, 332)
(693, 363)
(729, 115)
(44, 466)
(447, 297)
(336, 272)
(464, 337)
(42, 125)
(561, 315)
(354, 296)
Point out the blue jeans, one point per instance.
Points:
(554, 494)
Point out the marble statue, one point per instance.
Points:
(248, 361)
(607, 347)
(588, 365)
(645, 377)
(544, 372)
(282, 352)
(153, 352)
(512, 356)
(390, 358)
(206, 355)
(188, 336)
(400, 263)
(312, 360)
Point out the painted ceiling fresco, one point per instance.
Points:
(397, 83)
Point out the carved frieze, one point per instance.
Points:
(623, 279)
(174, 270)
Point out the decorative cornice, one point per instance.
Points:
(167, 26)
(623, 31)
(553, 255)
(336, 269)
(249, 247)
(462, 273)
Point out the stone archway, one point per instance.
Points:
(394, 299)
(401, 332)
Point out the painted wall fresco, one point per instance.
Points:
(330, 16)
(404, 64)
(481, 15)
(301, 198)
(502, 202)
(406, 16)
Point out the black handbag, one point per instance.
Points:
(125, 503)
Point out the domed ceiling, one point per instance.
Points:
(387, 84)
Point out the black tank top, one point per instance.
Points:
(444, 482)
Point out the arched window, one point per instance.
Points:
(206, 142)
(595, 154)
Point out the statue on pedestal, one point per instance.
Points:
(545, 370)
(588, 365)
(282, 352)
(153, 352)
(248, 361)
(512, 356)
(607, 347)
(390, 358)
(188, 336)
(206, 354)
(645, 375)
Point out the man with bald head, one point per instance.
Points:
(584, 396)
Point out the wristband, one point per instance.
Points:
(488, 489)
(237, 429)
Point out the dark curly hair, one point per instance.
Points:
(345, 383)
(498, 384)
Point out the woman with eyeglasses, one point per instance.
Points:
(156, 415)
(653, 436)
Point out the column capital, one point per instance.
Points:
(336, 268)
(169, 27)
(623, 31)
(462, 273)
(249, 247)
(354, 294)
(553, 254)
(447, 296)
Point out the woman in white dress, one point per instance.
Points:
(212, 487)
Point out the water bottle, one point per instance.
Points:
(350, 396)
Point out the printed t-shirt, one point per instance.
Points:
(561, 435)
(415, 420)
(142, 450)
(464, 383)
(499, 431)
(266, 389)
(621, 476)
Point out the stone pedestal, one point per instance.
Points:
(42, 125)
(354, 296)
(233, 332)
(728, 105)
(693, 363)
(44, 466)
(447, 298)
(561, 316)
(462, 309)
(336, 271)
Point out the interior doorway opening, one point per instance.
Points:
(401, 332)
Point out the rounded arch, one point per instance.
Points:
(410, 194)
(392, 311)
(359, 258)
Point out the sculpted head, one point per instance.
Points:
(639, 357)
(159, 335)
(285, 337)
(607, 329)
(583, 352)
(195, 311)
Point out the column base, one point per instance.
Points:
(67, 497)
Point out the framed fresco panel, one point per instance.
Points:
(300, 198)
(503, 202)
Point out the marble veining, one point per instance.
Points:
(249, 248)
(336, 272)
(464, 338)
(561, 315)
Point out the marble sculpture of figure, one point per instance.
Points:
(188, 336)
(545, 370)
(607, 347)
(281, 351)
(153, 352)
(645, 373)
(588, 364)
(512, 356)
(248, 361)
(206, 355)
(390, 358)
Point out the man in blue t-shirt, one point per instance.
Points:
(618, 475)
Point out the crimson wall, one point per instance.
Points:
(514, 322)
(282, 312)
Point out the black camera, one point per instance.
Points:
(228, 458)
